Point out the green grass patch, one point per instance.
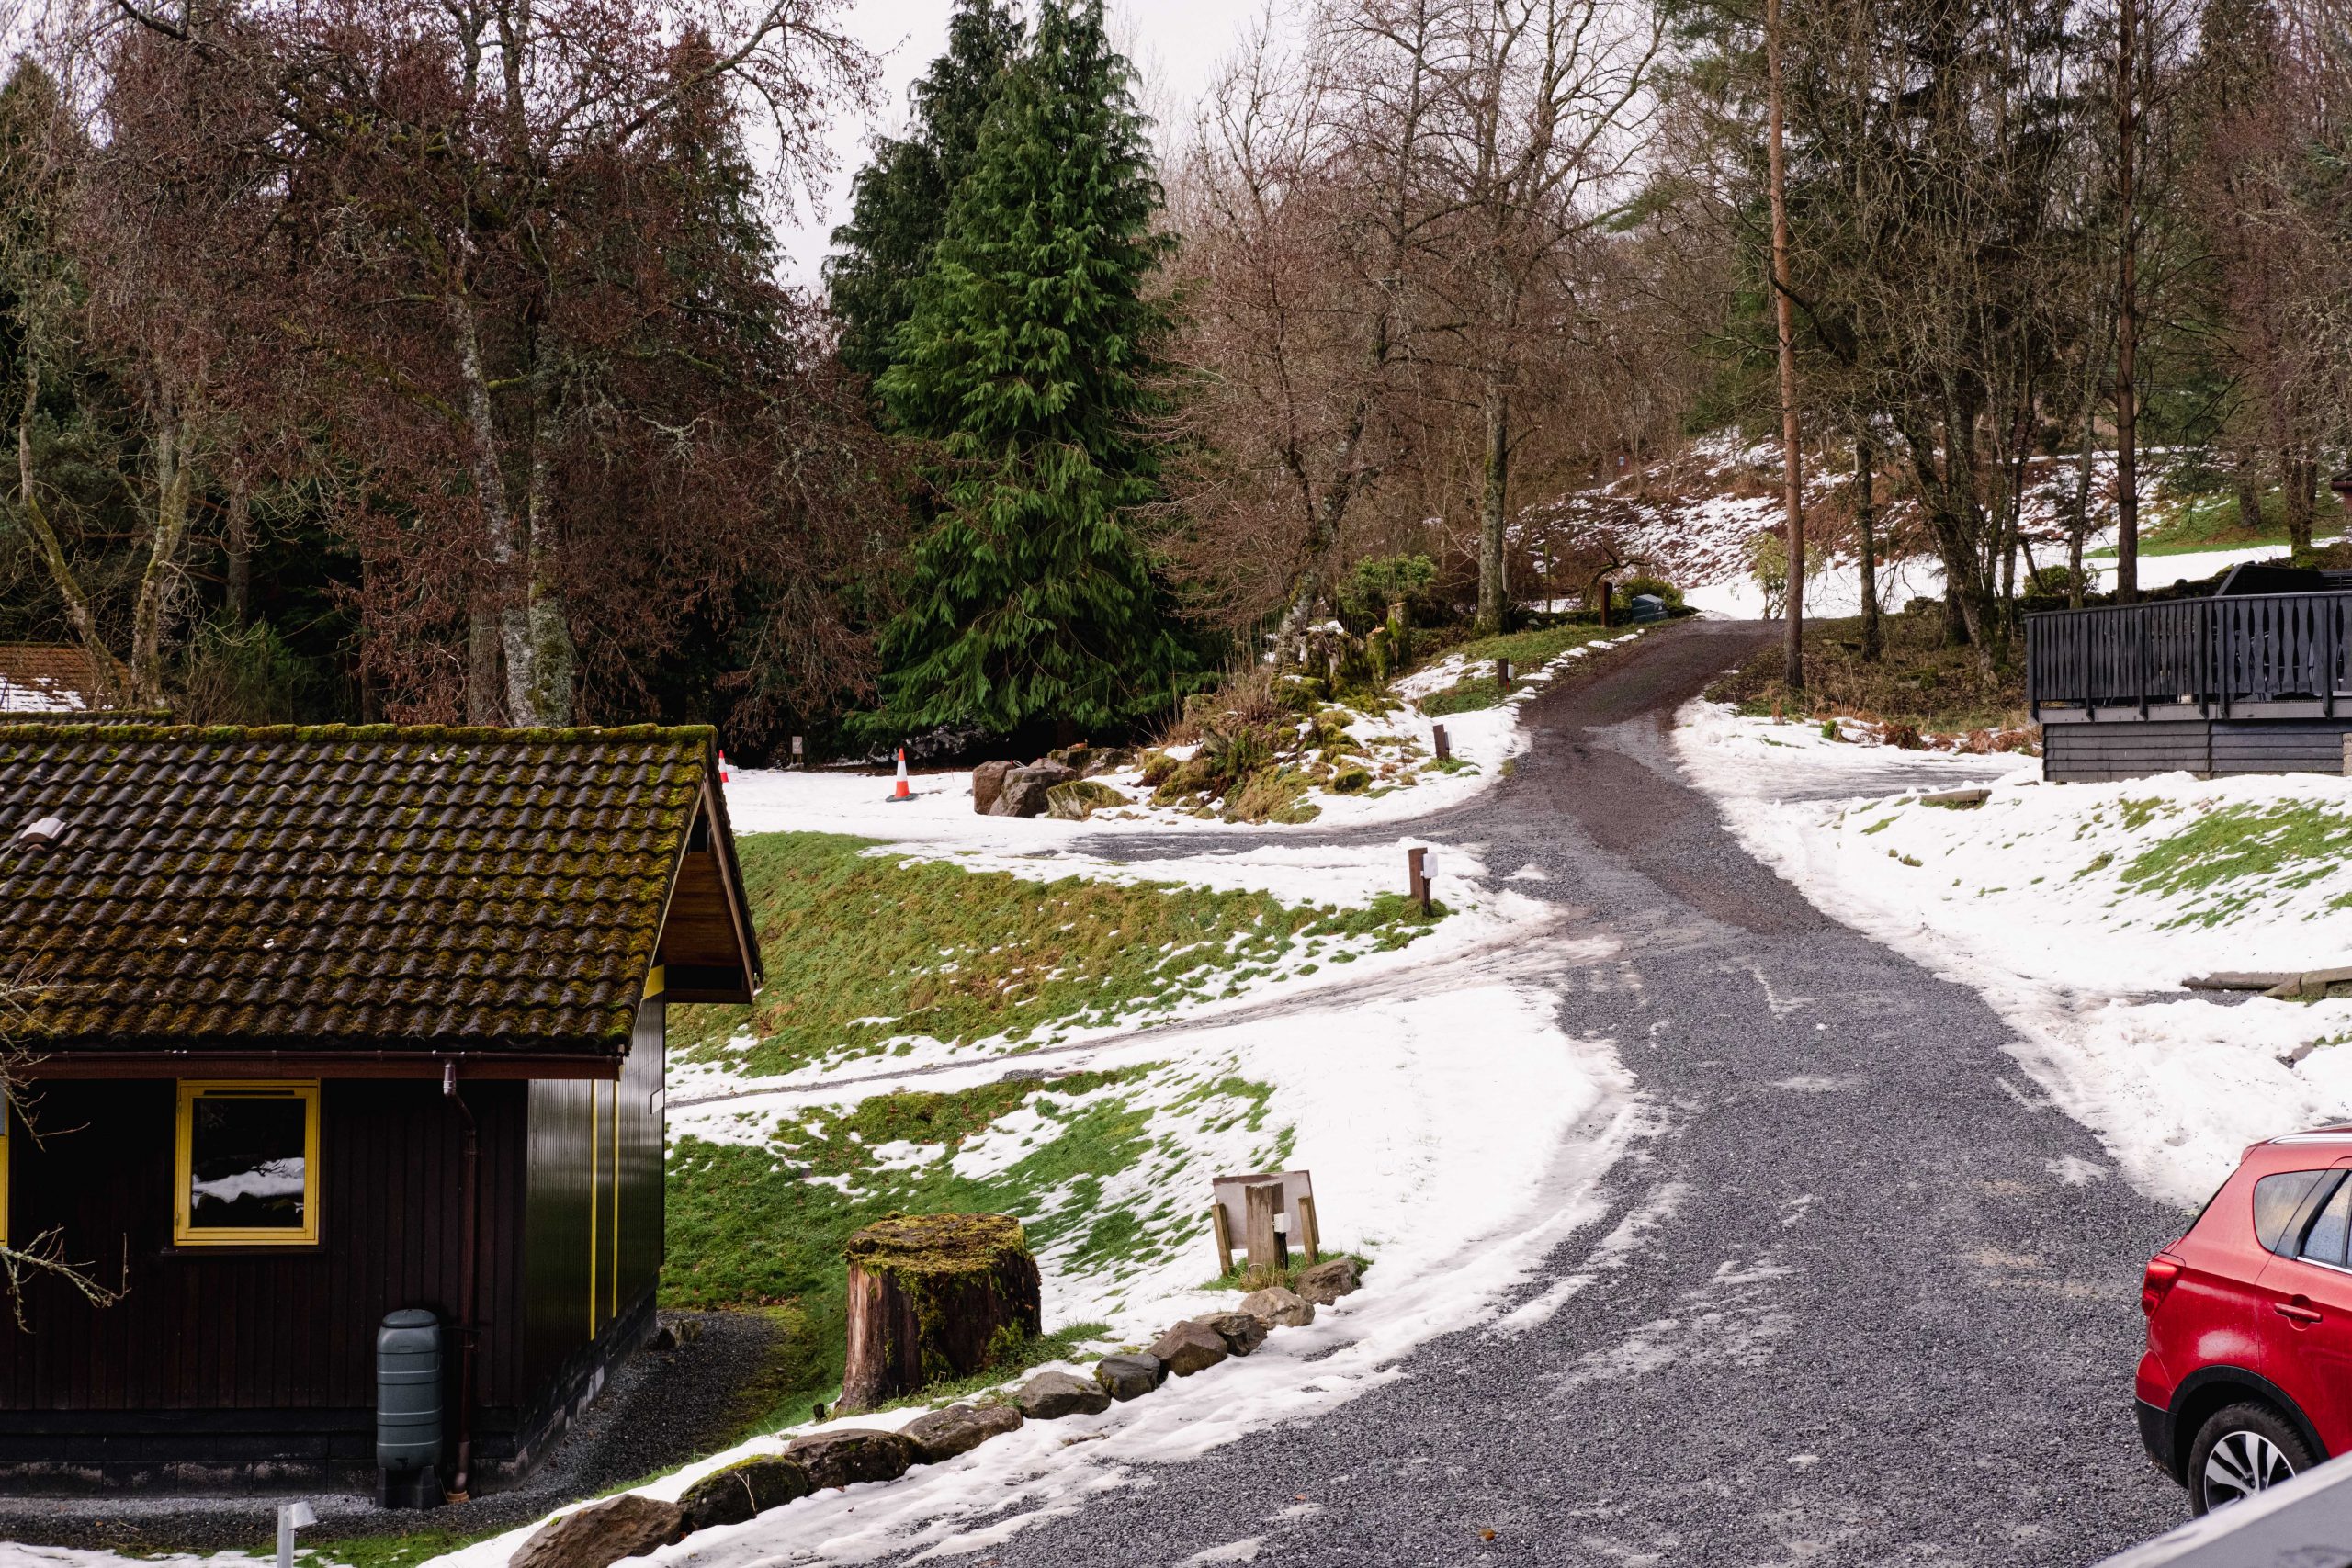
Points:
(864, 948)
(1529, 649)
(382, 1551)
(762, 1224)
(2228, 858)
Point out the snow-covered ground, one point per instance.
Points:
(2077, 911)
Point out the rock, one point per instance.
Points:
(743, 1491)
(1049, 1396)
(1129, 1377)
(1240, 1332)
(1189, 1347)
(1330, 1279)
(1026, 789)
(958, 1430)
(1278, 1308)
(987, 782)
(850, 1455)
(629, 1525)
(1076, 800)
(1105, 760)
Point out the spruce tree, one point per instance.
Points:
(1024, 364)
(898, 202)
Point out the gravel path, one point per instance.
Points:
(1842, 1311)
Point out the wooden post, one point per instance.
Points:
(1261, 1201)
(1223, 1230)
(1503, 673)
(1416, 877)
(1310, 1235)
(1437, 742)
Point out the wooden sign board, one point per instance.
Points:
(1296, 1184)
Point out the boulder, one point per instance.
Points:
(1240, 1332)
(987, 782)
(1129, 1377)
(1105, 760)
(629, 1525)
(1278, 1308)
(1049, 1396)
(1026, 789)
(939, 1437)
(1078, 799)
(1187, 1348)
(1330, 1279)
(850, 1455)
(743, 1491)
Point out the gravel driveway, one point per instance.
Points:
(1843, 1309)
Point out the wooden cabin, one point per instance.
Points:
(327, 1022)
(2254, 678)
(50, 678)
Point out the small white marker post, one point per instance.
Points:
(291, 1517)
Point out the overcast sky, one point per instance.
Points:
(1177, 44)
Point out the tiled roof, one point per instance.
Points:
(337, 887)
(48, 677)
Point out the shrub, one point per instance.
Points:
(1644, 583)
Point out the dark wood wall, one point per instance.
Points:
(2080, 752)
(205, 1331)
(594, 1210)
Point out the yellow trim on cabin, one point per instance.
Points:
(657, 981)
(592, 1205)
(613, 1284)
(184, 1232)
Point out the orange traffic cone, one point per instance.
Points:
(900, 791)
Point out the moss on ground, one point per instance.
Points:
(1527, 652)
(862, 949)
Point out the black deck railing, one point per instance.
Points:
(2217, 654)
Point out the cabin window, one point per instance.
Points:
(248, 1165)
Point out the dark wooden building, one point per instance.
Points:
(2250, 679)
(329, 1022)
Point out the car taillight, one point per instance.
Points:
(2161, 1272)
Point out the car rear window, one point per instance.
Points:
(2275, 1198)
(2325, 1241)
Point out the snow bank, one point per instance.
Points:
(2077, 911)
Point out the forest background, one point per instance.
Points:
(385, 359)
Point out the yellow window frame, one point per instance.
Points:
(184, 1234)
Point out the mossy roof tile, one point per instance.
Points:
(374, 888)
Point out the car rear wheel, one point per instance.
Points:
(2242, 1450)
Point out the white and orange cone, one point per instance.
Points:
(901, 790)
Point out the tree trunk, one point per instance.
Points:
(61, 574)
(173, 477)
(1791, 473)
(2299, 476)
(933, 1297)
(2078, 520)
(2127, 317)
(1866, 541)
(513, 630)
(2248, 477)
(1493, 590)
(238, 543)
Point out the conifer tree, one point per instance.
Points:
(899, 203)
(1024, 364)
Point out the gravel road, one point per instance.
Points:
(1843, 1309)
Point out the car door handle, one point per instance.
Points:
(2299, 1310)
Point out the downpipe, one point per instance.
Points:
(469, 1173)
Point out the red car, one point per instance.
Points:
(2247, 1377)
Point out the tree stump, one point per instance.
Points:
(934, 1296)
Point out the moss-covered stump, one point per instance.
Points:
(933, 1297)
